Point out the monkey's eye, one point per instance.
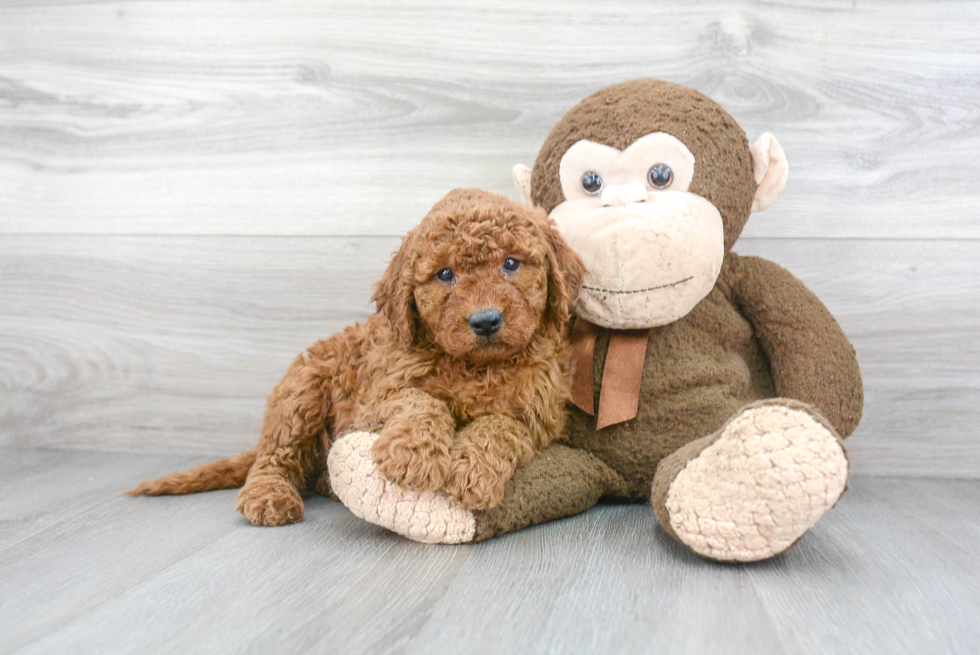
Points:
(511, 265)
(660, 176)
(592, 183)
(446, 275)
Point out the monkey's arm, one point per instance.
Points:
(809, 356)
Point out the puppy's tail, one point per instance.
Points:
(223, 474)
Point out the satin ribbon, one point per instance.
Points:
(619, 397)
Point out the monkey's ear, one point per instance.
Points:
(770, 169)
(394, 294)
(522, 180)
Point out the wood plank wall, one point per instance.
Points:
(193, 192)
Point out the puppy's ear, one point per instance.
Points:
(565, 274)
(394, 294)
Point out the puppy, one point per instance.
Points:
(465, 366)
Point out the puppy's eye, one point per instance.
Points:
(446, 275)
(592, 183)
(660, 176)
(511, 265)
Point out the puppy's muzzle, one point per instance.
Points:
(486, 322)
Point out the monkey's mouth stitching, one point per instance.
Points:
(662, 286)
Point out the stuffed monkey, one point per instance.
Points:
(716, 387)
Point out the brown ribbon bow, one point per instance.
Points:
(621, 377)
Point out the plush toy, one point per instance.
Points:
(716, 387)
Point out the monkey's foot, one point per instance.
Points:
(426, 516)
(752, 490)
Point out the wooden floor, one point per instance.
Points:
(83, 568)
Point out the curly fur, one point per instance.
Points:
(459, 411)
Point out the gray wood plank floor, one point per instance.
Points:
(84, 569)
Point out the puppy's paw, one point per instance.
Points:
(474, 482)
(270, 501)
(411, 461)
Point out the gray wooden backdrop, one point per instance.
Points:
(193, 192)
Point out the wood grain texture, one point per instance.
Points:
(165, 343)
(890, 569)
(323, 117)
(193, 192)
(172, 344)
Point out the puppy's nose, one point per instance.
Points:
(623, 194)
(486, 321)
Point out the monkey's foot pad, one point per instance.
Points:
(429, 516)
(754, 492)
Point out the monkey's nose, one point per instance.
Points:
(486, 322)
(623, 194)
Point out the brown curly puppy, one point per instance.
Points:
(465, 365)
